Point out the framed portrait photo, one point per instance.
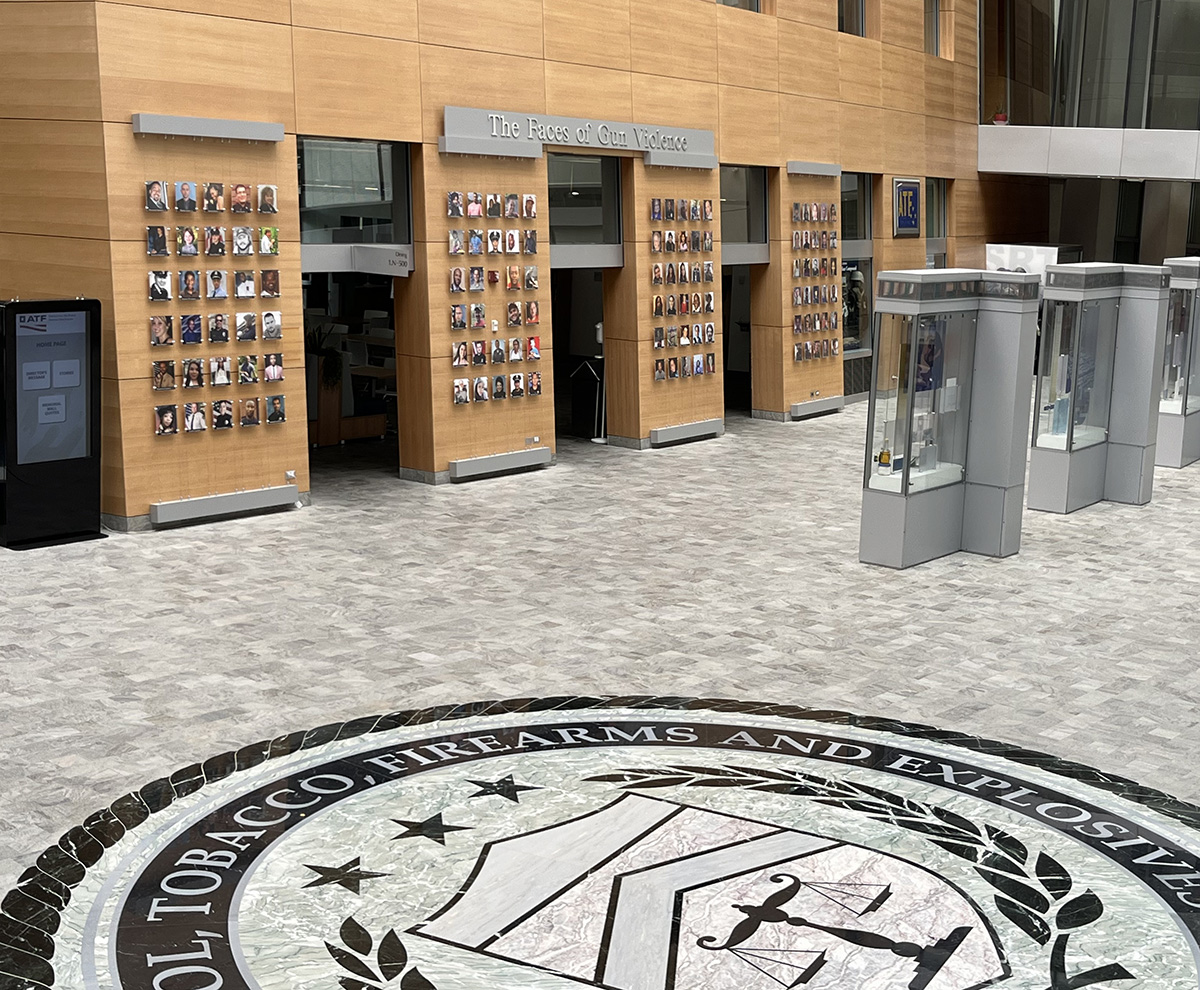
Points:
(189, 284)
(239, 198)
(529, 206)
(495, 206)
(222, 414)
(214, 197)
(191, 329)
(268, 240)
(217, 285)
(269, 285)
(160, 286)
(166, 421)
(458, 317)
(156, 196)
(272, 325)
(480, 389)
(454, 205)
(276, 409)
(247, 326)
(243, 285)
(462, 391)
(247, 369)
(455, 243)
(195, 417)
(214, 242)
(193, 373)
(268, 197)
(243, 241)
(185, 197)
(162, 375)
(220, 371)
(156, 242)
(474, 242)
(249, 414)
(218, 328)
(533, 382)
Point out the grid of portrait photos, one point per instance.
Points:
(815, 288)
(483, 275)
(216, 266)
(684, 287)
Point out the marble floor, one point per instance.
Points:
(720, 569)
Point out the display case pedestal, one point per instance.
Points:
(1103, 333)
(1179, 407)
(949, 415)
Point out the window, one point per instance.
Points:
(1193, 234)
(856, 206)
(852, 17)
(1127, 244)
(1175, 71)
(585, 199)
(743, 204)
(754, 5)
(353, 192)
(935, 207)
(932, 27)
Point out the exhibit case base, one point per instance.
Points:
(898, 531)
(1178, 440)
(1066, 482)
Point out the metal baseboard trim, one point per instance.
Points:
(216, 506)
(771, 414)
(700, 430)
(818, 407)
(513, 460)
(425, 477)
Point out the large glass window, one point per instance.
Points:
(743, 4)
(353, 192)
(585, 199)
(1175, 70)
(1193, 233)
(1075, 367)
(852, 17)
(1104, 73)
(856, 206)
(856, 304)
(935, 207)
(1127, 243)
(743, 204)
(932, 27)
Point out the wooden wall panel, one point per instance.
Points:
(904, 79)
(806, 63)
(939, 88)
(52, 178)
(655, 26)
(238, 81)
(862, 140)
(589, 32)
(361, 17)
(809, 130)
(818, 13)
(747, 50)
(688, 102)
(351, 86)
(586, 91)
(904, 142)
(273, 11)
(513, 27)
(454, 77)
(49, 66)
(860, 75)
(749, 126)
(903, 23)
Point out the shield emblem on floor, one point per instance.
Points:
(647, 894)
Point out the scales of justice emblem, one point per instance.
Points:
(650, 894)
(859, 899)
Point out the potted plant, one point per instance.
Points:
(1000, 117)
(317, 341)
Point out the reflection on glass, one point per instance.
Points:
(353, 192)
(743, 204)
(889, 402)
(585, 199)
(856, 304)
(1175, 354)
(1193, 387)
(921, 402)
(945, 355)
(1093, 373)
(1055, 375)
(1075, 374)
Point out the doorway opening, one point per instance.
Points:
(578, 318)
(349, 321)
(735, 291)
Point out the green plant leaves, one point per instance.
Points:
(1032, 925)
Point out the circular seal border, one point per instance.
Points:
(30, 912)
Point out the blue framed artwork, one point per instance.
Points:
(906, 207)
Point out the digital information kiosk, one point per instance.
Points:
(50, 392)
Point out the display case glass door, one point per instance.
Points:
(889, 409)
(1056, 373)
(1173, 397)
(944, 354)
(1193, 357)
(1092, 397)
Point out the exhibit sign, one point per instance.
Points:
(906, 207)
(472, 131)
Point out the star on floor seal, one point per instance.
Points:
(506, 787)
(432, 828)
(349, 875)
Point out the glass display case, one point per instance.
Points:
(1075, 368)
(1180, 389)
(920, 401)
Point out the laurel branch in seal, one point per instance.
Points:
(1035, 893)
(389, 962)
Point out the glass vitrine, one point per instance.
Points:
(920, 401)
(1075, 367)
(1174, 373)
